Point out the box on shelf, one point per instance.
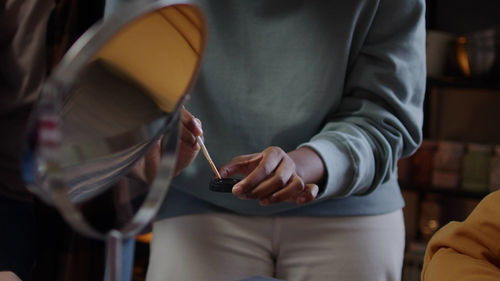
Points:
(476, 168)
(494, 178)
(421, 163)
(446, 164)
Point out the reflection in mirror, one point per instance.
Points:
(116, 205)
(104, 139)
(116, 120)
(123, 96)
(170, 43)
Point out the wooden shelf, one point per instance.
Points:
(464, 82)
(455, 192)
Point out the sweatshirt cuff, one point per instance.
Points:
(339, 167)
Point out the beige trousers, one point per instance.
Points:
(226, 247)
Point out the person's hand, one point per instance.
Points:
(273, 176)
(147, 166)
(8, 276)
(189, 147)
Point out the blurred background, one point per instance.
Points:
(459, 162)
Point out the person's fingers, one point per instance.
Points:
(185, 156)
(241, 165)
(289, 193)
(191, 124)
(308, 195)
(187, 136)
(280, 178)
(191, 128)
(185, 114)
(199, 128)
(271, 157)
(270, 177)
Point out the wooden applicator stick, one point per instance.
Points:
(207, 156)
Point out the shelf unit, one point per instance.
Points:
(443, 191)
(454, 107)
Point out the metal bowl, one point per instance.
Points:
(477, 53)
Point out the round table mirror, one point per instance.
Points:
(103, 140)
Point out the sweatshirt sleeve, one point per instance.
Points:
(469, 250)
(380, 116)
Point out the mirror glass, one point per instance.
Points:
(102, 147)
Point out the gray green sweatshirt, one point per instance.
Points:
(346, 78)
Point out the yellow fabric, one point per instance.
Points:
(160, 51)
(469, 250)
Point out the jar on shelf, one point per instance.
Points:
(476, 168)
(430, 216)
(495, 170)
(447, 164)
(421, 163)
